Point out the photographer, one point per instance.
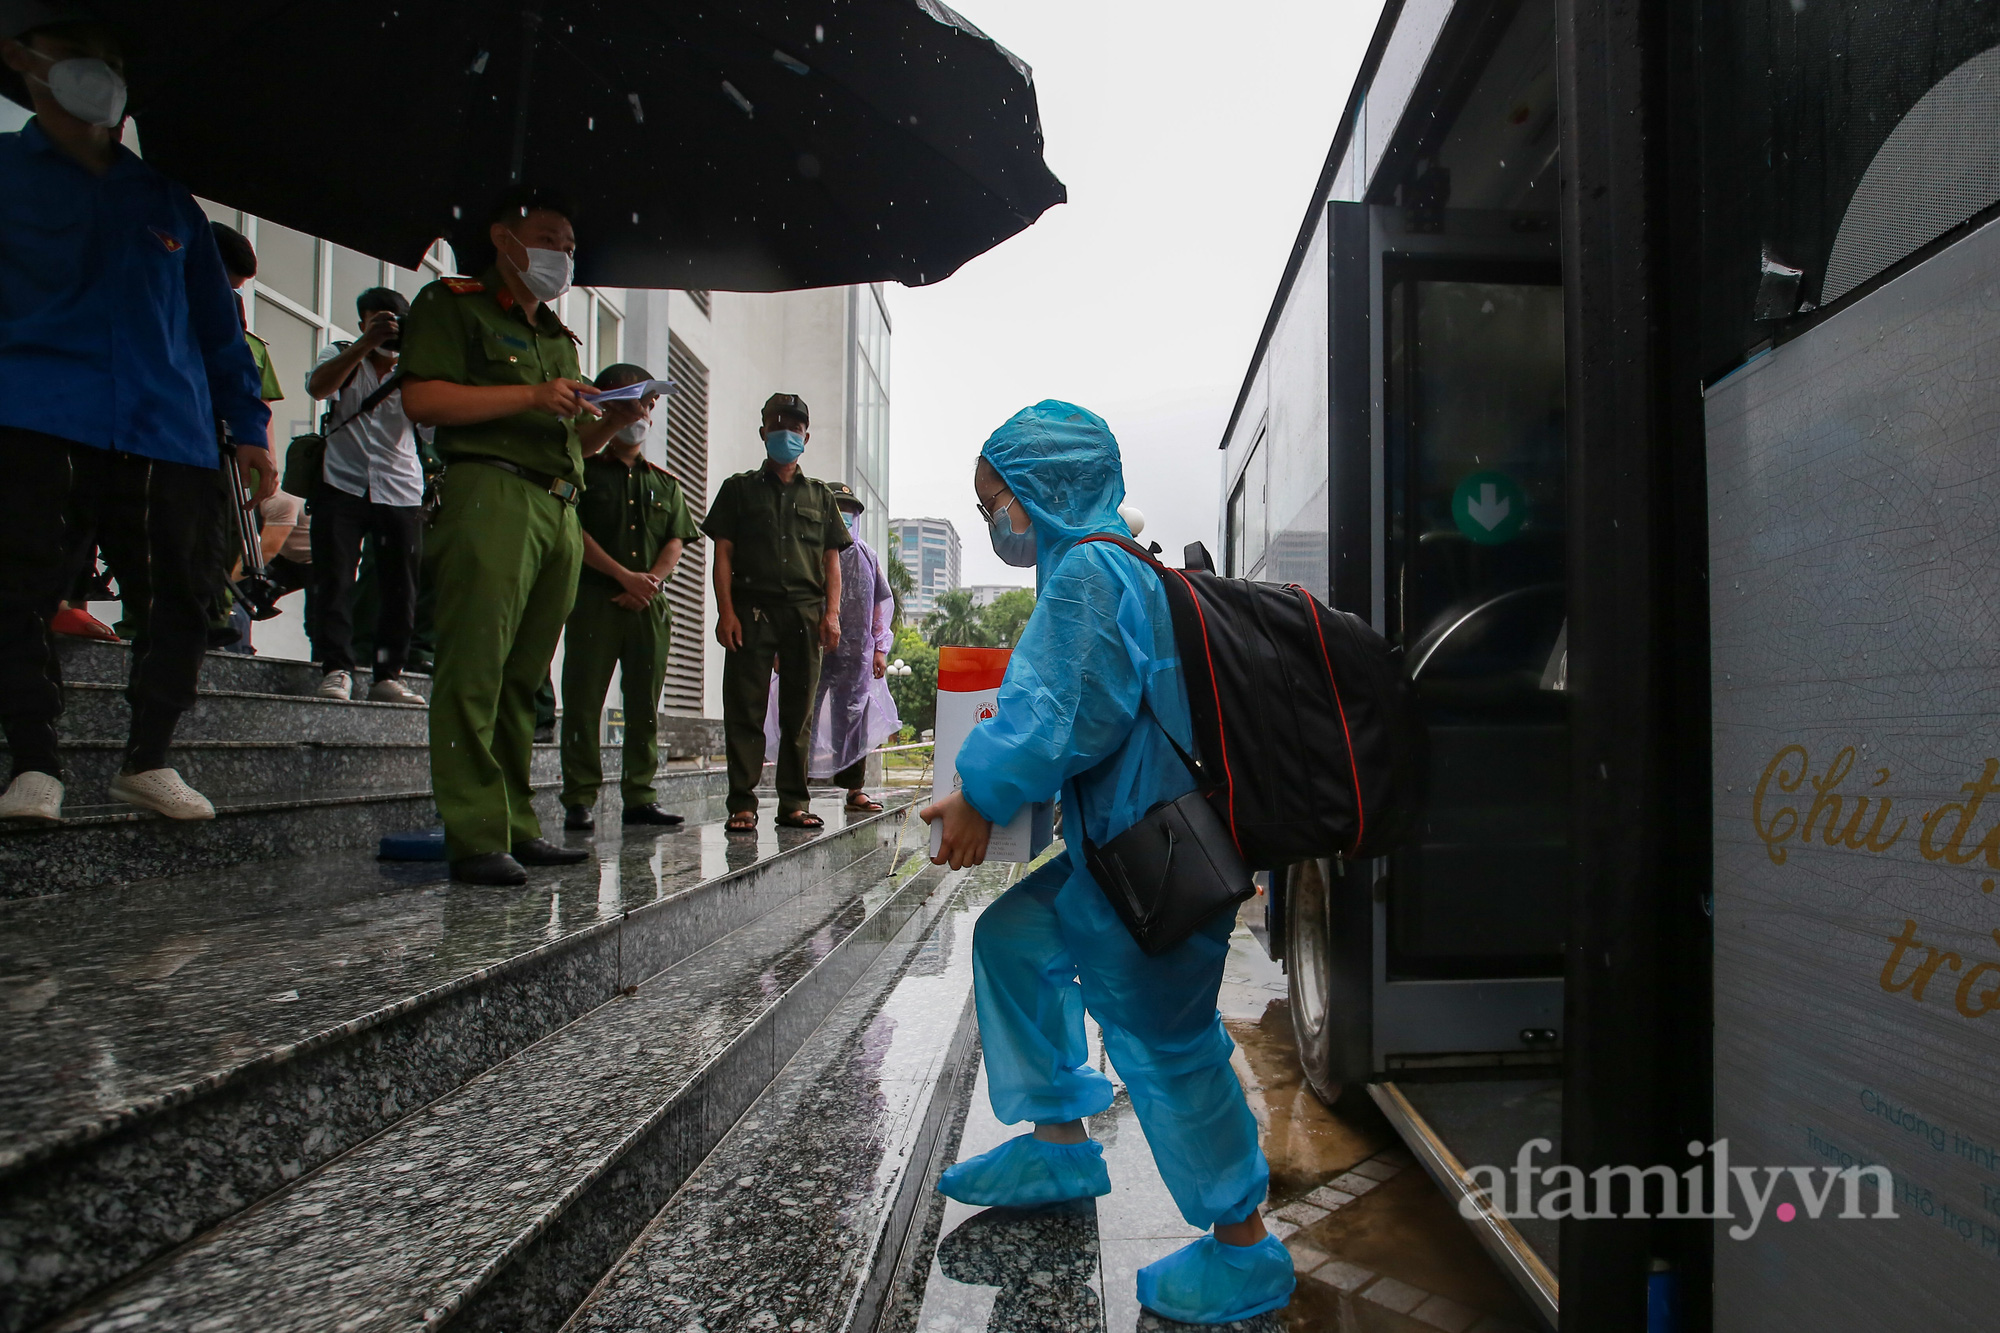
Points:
(119, 350)
(372, 484)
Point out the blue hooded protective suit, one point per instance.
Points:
(1051, 947)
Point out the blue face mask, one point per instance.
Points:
(850, 519)
(784, 446)
(1014, 548)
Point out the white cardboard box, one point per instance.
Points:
(968, 694)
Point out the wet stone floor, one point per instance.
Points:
(1378, 1248)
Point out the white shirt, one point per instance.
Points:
(375, 455)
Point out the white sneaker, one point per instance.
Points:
(337, 685)
(161, 791)
(33, 796)
(393, 691)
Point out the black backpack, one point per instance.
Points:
(1300, 716)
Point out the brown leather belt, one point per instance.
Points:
(566, 491)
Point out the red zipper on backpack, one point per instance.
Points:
(1221, 732)
(1360, 814)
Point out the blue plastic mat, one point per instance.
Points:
(414, 845)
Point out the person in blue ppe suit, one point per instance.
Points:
(1070, 718)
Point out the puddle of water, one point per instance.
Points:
(1404, 1235)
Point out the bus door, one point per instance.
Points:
(1448, 534)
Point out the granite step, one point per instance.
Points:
(808, 1211)
(94, 660)
(97, 711)
(500, 1204)
(101, 843)
(237, 769)
(185, 1047)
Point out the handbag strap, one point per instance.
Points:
(1145, 705)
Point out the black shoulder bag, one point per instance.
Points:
(305, 456)
(1174, 869)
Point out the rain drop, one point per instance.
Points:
(819, 33)
(479, 62)
(590, 122)
(456, 211)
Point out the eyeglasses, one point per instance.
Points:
(987, 516)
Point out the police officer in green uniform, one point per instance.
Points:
(635, 524)
(778, 537)
(487, 362)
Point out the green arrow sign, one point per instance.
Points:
(1489, 507)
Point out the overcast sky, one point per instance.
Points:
(1190, 146)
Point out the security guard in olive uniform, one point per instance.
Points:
(778, 537)
(487, 362)
(635, 524)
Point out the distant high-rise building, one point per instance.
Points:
(929, 547)
(985, 594)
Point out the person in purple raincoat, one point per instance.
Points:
(854, 711)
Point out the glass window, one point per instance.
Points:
(229, 217)
(353, 274)
(288, 263)
(293, 343)
(1247, 517)
(871, 406)
(1233, 561)
(608, 326)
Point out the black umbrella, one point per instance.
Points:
(751, 146)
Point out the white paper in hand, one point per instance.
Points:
(630, 393)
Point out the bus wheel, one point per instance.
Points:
(1308, 958)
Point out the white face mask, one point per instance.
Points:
(85, 87)
(632, 434)
(548, 274)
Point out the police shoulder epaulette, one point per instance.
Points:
(464, 286)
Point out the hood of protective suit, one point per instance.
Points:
(1062, 464)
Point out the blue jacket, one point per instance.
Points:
(1100, 637)
(118, 329)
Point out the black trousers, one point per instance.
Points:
(155, 523)
(339, 523)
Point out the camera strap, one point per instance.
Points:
(368, 404)
(371, 403)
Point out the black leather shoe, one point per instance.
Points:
(650, 814)
(489, 868)
(542, 852)
(579, 819)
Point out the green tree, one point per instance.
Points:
(916, 693)
(902, 583)
(1007, 615)
(956, 621)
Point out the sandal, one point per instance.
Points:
(743, 821)
(864, 804)
(800, 819)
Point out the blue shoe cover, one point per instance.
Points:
(1212, 1283)
(1027, 1172)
